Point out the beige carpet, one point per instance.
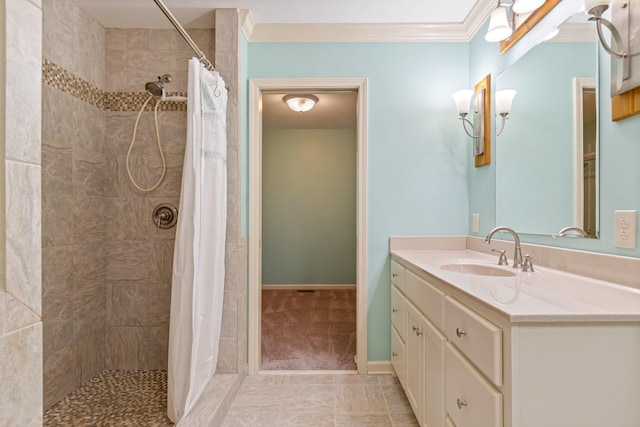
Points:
(308, 330)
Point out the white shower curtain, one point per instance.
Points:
(198, 262)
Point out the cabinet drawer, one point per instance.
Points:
(398, 313)
(397, 275)
(429, 300)
(397, 356)
(479, 339)
(470, 400)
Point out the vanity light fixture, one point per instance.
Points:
(300, 103)
(526, 6)
(622, 13)
(500, 27)
(504, 100)
(465, 99)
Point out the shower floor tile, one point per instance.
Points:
(114, 398)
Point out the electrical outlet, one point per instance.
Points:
(625, 229)
(475, 227)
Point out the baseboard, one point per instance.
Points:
(306, 287)
(380, 368)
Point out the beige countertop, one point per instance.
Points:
(545, 295)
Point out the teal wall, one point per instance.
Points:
(309, 206)
(417, 157)
(619, 153)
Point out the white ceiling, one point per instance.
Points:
(334, 110)
(197, 13)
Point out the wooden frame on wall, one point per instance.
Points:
(527, 25)
(485, 158)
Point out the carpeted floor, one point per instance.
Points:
(309, 330)
(114, 398)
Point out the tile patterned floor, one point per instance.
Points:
(308, 330)
(114, 398)
(320, 400)
(138, 399)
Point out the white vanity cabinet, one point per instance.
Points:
(422, 373)
(469, 364)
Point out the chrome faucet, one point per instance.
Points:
(517, 256)
(567, 230)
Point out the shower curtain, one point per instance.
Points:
(198, 263)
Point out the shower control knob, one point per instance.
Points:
(165, 215)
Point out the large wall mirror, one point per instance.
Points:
(547, 154)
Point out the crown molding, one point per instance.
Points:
(315, 33)
(409, 32)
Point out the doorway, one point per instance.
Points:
(260, 89)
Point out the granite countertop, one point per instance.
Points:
(545, 295)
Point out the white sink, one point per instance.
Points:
(477, 269)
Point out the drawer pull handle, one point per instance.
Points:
(394, 310)
(419, 332)
(461, 403)
(460, 332)
(394, 274)
(394, 354)
(414, 327)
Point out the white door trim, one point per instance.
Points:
(256, 87)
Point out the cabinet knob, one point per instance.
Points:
(461, 403)
(460, 332)
(394, 354)
(394, 274)
(394, 310)
(414, 327)
(419, 332)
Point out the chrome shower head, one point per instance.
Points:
(156, 88)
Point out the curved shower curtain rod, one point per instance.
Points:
(201, 56)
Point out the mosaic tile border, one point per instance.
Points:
(62, 79)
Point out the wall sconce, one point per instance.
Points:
(465, 99)
(504, 99)
(300, 103)
(625, 15)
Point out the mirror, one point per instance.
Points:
(547, 154)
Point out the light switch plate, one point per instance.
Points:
(625, 229)
(475, 223)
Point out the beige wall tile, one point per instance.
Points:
(89, 312)
(88, 357)
(128, 262)
(89, 265)
(128, 348)
(127, 304)
(21, 377)
(58, 376)
(89, 171)
(57, 170)
(159, 304)
(125, 218)
(89, 221)
(57, 334)
(23, 237)
(158, 348)
(57, 219)
(161, 261)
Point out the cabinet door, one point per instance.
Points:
(397, 356)
(398, 316)
(434, 376)
(415, 362)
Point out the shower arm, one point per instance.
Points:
(201, 56)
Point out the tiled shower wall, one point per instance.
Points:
(20, 256)
(73, 200)
(107, 267)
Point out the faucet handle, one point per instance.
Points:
(527, 266)
(503, 258)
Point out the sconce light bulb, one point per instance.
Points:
(462, 99)
(504, 100)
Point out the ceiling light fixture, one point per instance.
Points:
(300, 103)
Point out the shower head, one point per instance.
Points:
(156, 88)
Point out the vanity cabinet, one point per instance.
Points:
(465, 363)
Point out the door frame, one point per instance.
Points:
(256, 88)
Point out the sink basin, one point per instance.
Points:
(477, 269)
